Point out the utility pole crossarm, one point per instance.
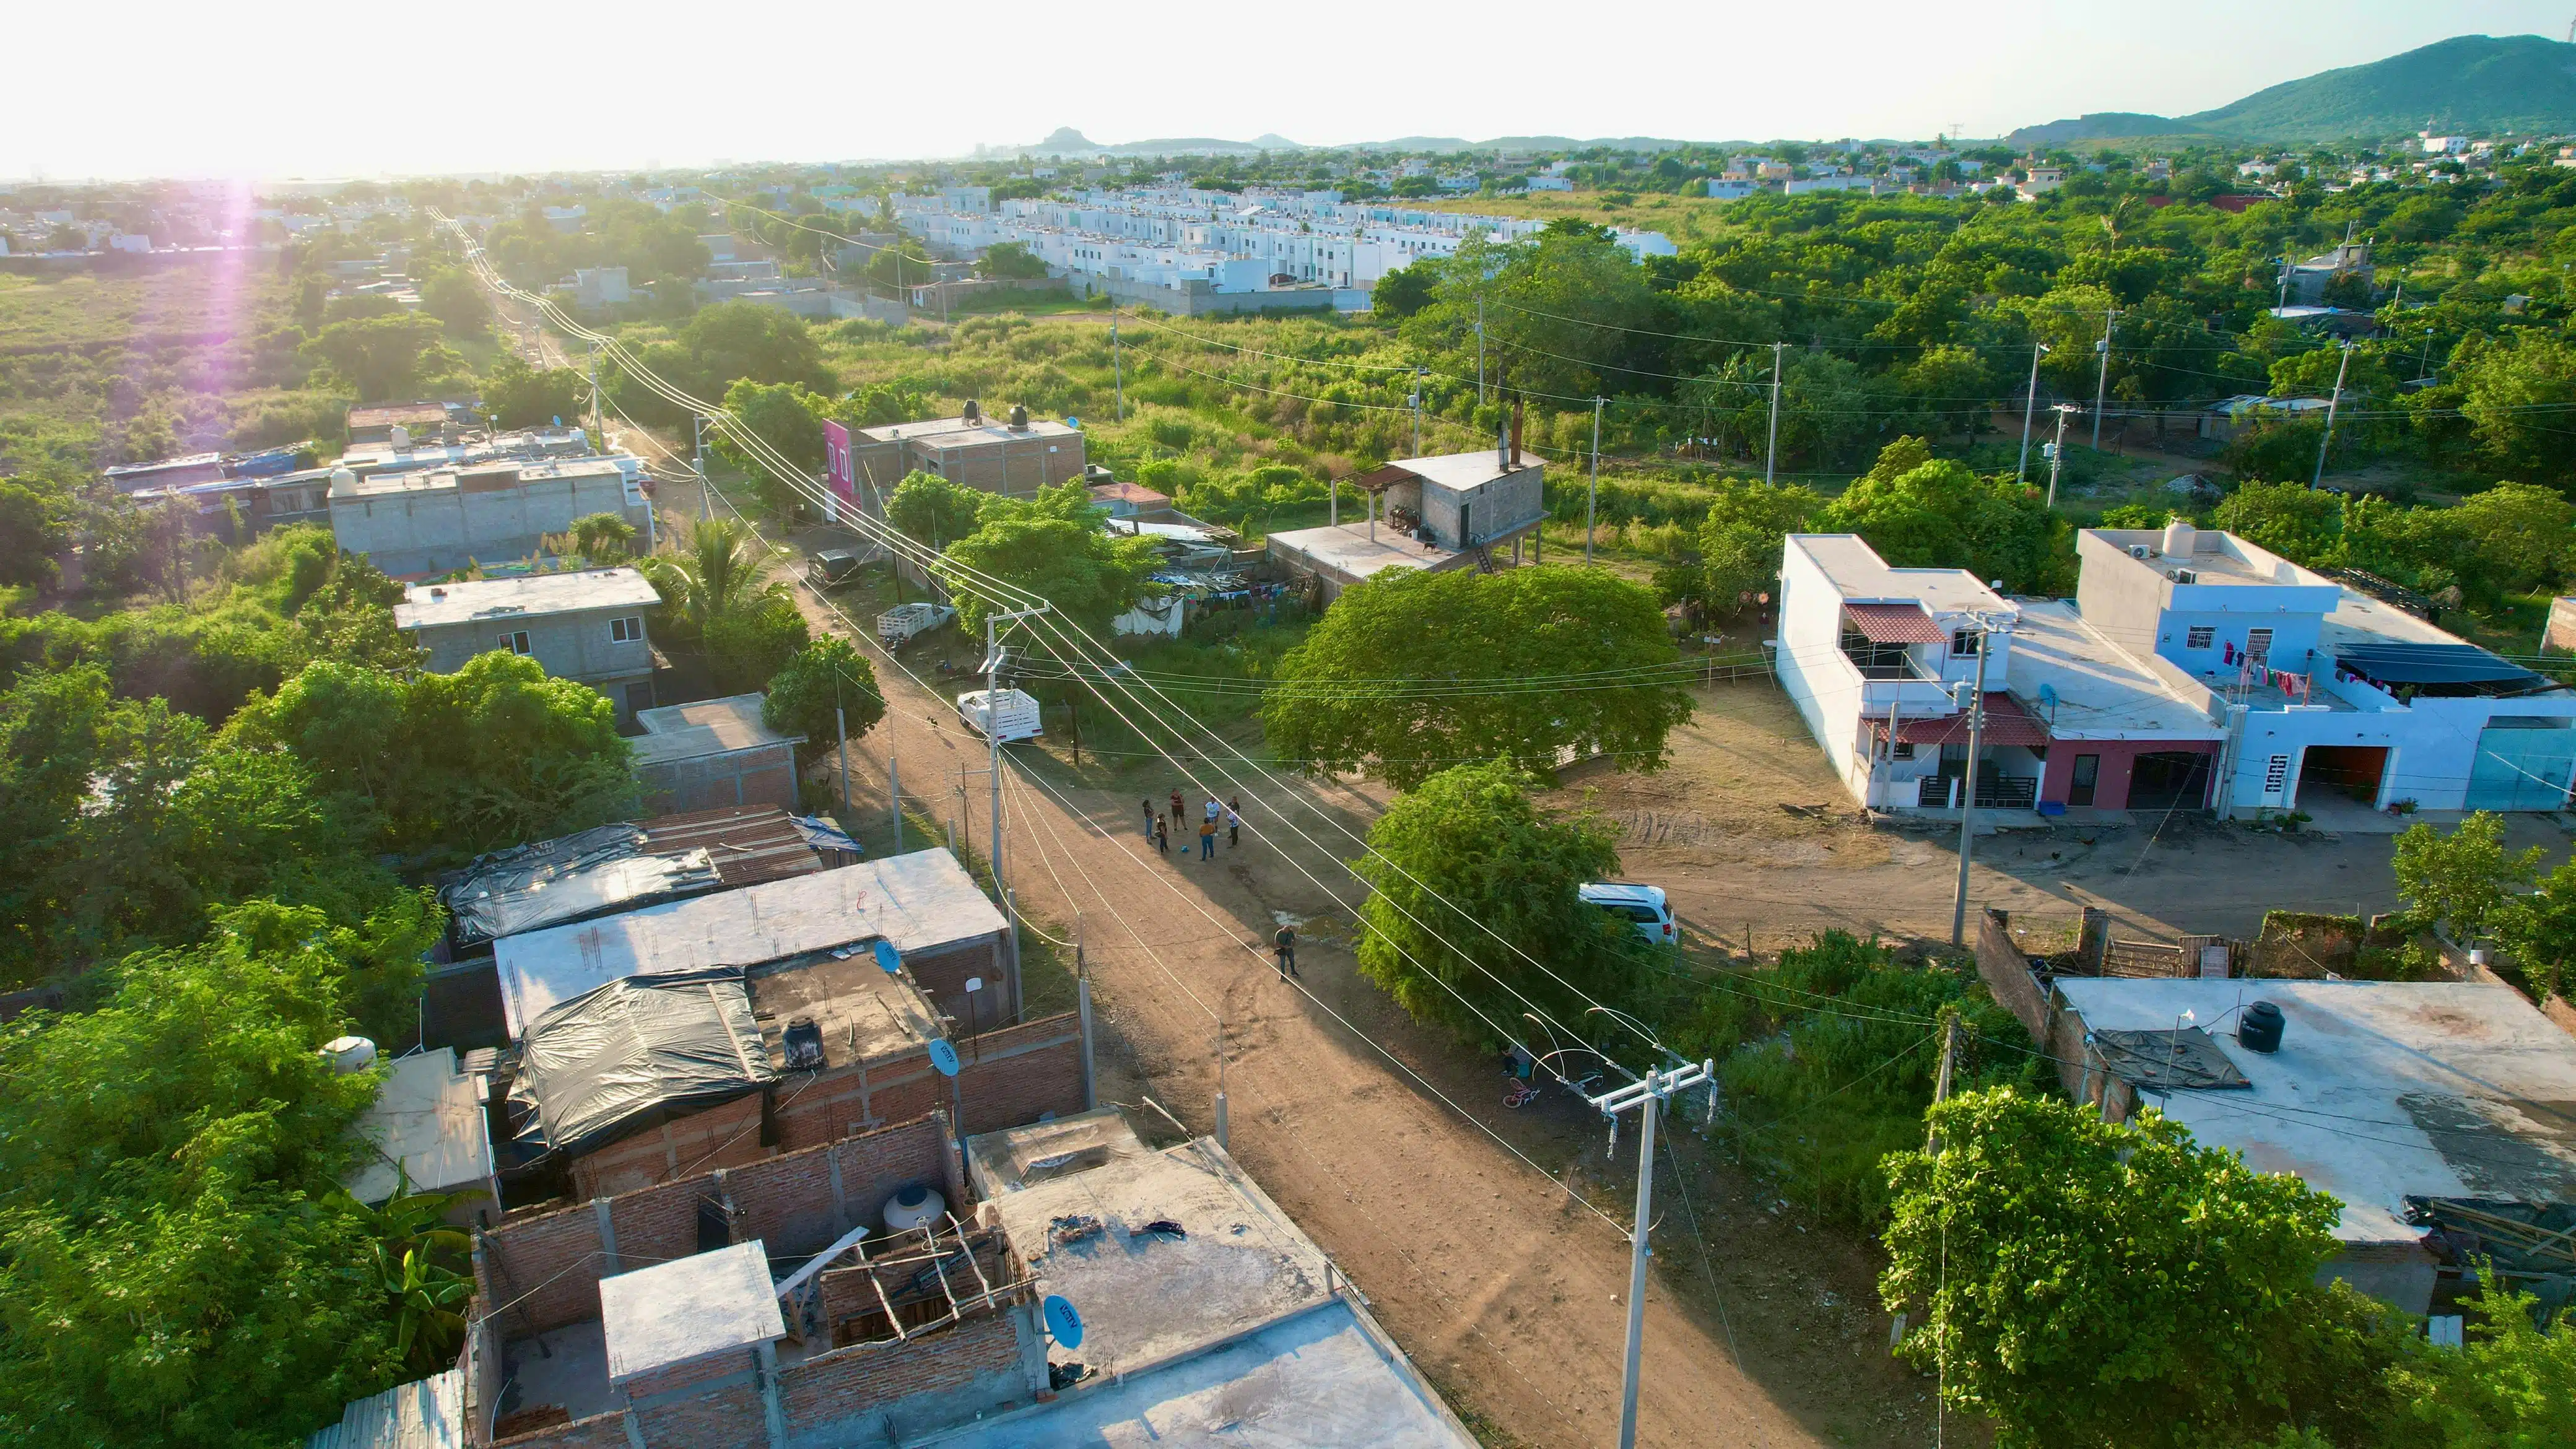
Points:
(1645, 1097)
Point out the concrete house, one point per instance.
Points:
(711, 753)
(2334, 703)
(444, 519)
(586, 626)
(1445, 512)
(1014, 457)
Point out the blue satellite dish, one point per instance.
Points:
(944, 1057)
(1063, 1324)
(1072, 422)
(887, 958)
(2048, 695)
(559, 420)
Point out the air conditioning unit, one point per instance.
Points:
(2141, 552)
(2186, 576)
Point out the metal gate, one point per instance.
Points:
(2524, 763)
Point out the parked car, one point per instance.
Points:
(832, 568)
(904, 623)
(1644, 906)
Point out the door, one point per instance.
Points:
(2523, 764)
(2088, 770)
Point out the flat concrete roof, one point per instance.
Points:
(427, 1123)
(2101, 693)
(959, 433)
(1861, 576)
(703, 727)
(688, 1308)
(533, 596)
(1460, 471)
(1149, 1297)
(2380, 1088)
(1347, 549)
(921, 901)
(1016, 1158)
(1323, 1377)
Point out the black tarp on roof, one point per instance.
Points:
(571, 878)
(634, 1054)
(2432, 664)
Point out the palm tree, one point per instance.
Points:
(723, 572)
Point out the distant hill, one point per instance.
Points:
(2466, 83)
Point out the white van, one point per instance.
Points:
(1642, 905)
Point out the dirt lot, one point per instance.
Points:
(1711, 830)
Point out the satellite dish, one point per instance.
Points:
(887, 958)
(944, 1057)
(559, 420)
(1063, 1324)
(2048, 696)
(974, 984)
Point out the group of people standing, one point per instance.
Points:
(1160, 828)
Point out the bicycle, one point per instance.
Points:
(1520, 1096)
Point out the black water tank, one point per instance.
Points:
(972, 412)
(1019, 417)
(2259, 1029)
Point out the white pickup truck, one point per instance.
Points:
(1014, 714)
(904, 623)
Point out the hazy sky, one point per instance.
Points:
(296, 88)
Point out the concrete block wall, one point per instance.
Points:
(764, 775)
(727, 1135)
(723, 1412)
(1010, 1077)
(2006, 972)
(547, 1267)
(599, 1431)
(890, 1389)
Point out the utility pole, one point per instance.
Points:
(894, 796)
(2057, 451)
(841, 723)
(2333, 405)
(1771, 453)
(596, 426)
(706, 500)
(1117, 363)
(1592, 492)
(1645, 1096)
(993, 745)
(1480, 361)
(2029, 404)
(1941, 1083)
(1986, 632)
(2285, 282)
(1416, 402)
(2102, 378)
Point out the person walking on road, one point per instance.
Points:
(1207, 838)
(1149, 818)
(1284, 943)
(1234, 823)
(1162, 837)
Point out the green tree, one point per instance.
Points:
(1410, 671)
(602, 537)
(719, 593)
(2510, 1386)
(787, 418)
(2461, 880)
(521, 396)
(455, 298)
(2520, 536)
(736, 340)
(1051, 546)
(35, 528)
(1465, 853)
(1406, 290)
(2538, 933)
(826, 684)
(386, 357)
(2082, 1282)
(2291, 519)
(1010, 260)
(904, 264)
(2512, 389)
(933, 511)
(180, 1266)
(1740, 539)
(1925, 512)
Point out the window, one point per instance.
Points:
(2258, 644)
(627, 630)
(1964, 643)
(1904, 750)
(516, 641)
(2200, 637)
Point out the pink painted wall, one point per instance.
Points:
(2119, 762)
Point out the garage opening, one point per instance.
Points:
(2347, 772)
(2168, 780)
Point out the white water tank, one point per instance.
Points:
(348, 1054)
(2179, 538)
(401, 438)
(916, 1206)
(344, 482)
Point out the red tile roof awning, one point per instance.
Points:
(2007, 723)
(1894, 623)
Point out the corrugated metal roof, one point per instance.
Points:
(429, 1414)
(1894, 623)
